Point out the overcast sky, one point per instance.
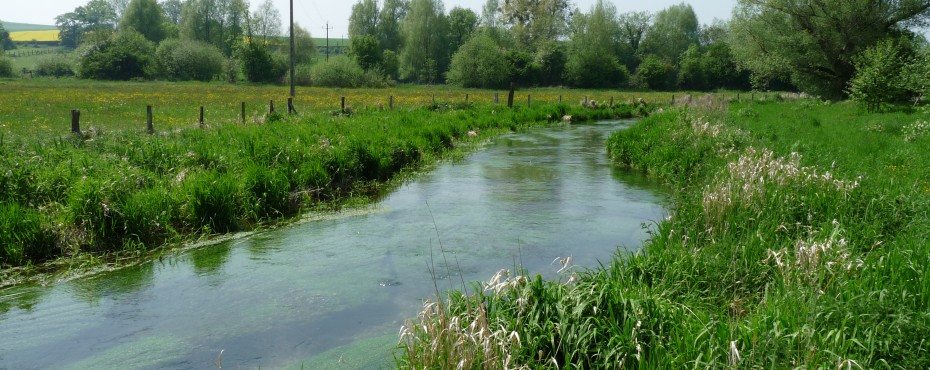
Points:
(313, 14)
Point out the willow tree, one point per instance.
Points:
(815, 42)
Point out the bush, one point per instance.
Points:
(479, 63)
(184, 60)
(654, 73)
(6, 68)
(303, 76)
(54, 66)
(878, 78)
(340, 71)
(588, 68)
(124, 56)
(261, 65)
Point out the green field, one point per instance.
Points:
(798, 240)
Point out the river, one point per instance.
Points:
(333, 290)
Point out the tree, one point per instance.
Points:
(389, 20)
(479, 63)
(814, 42)
(366, 51)
(536, 22)
(172, 9)
(304, 46)
(633, 27)
(124, 56)
(184, 60)
(593, 49)
(878, 79)
(462, 23)
(674, 30)
(119, 7)
(5, 42)
(217, 22)
(424, 54)
(266, 21)
(96, 16)
(364, 19)
(654, 73)
(146, 18)
(691, 70)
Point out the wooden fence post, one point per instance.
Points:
(529, 101)
(76, 121)
(496, 100)
(242, 114)
(201, 116)
(271, 106)
(391, 102)
(611, 101)
(149, 125)
(466, 99)
(510, 96)
(343, 105)
(290, 106)
(560, 99)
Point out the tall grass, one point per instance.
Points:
(797, 240)
(127, 191)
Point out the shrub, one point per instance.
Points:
(654, 73)
(339, 71)
(480, 63)
(878, 78)
(124, 56)
(261, 65)
(303, 75)
(184, 60)
(54, 66)
(6, 68)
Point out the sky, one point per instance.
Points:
(314, 14)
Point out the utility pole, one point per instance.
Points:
(327, 28)
(292, 49)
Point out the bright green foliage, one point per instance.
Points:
(22, 235)
(124, 56)
(6, 67)
(815, 42)
(145, 17)
(424, 55)
(184, 60)
(916, 74)
(654, 73)
(534, 23)
(878, 79)
(338, 71)
(480, 63)
(266, 21)
(97, 16)
(366, 51)
(673, 30)
(593, 50)
(390, 64)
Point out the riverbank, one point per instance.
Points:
(798, 240)
(116, 195)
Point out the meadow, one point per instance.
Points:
(115, 191)
(798, 239)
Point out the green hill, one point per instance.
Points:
(14, 27)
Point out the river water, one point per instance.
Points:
(333, 291)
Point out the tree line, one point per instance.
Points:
(829, 48)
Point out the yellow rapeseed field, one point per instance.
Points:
(26, 36)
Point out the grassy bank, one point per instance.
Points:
(119, 190)
(798, 240)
